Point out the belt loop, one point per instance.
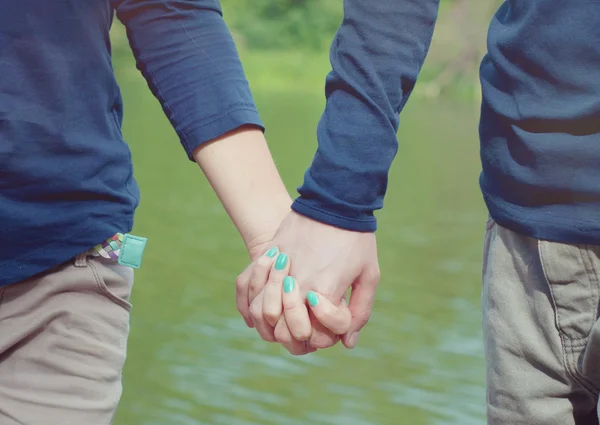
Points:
(81, 260)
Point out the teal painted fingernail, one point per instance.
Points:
(281, 262)
(288, 284)
(312, 298)
(272, 252)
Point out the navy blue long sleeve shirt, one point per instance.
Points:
(66, 178)
(65, 173)
(376, 57)
(540, 116)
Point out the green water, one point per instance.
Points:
(191, 359)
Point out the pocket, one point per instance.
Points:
(570, 273)
(114, 281)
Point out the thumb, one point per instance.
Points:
(335, 318)
(360, 305)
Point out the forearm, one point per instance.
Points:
(241, 170)
(187, 54)
(376, 57)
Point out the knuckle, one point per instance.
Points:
(240, 283)
(274, 280)
(276, 276)
(255, 312)
(374, 276)
(240, 308)
(263, 263)
(271, 317)
(291, 306)
(256, 285)
(377, 275)
(303, 334)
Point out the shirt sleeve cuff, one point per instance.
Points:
(304, 207)
(219, 125)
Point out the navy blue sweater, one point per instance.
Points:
(65, 173)
(540, 123)
(66, 180)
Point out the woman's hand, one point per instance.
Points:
(327, 261)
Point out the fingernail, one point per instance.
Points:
(312, 298)
(288, 284)
(353, 339)
(272, 252)
(281, 262)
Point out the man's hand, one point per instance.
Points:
(326, 260)
(270, 271)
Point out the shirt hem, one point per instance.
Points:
(545, 222)
(357, 225)
(53, 254)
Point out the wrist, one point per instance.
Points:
(335, 217)
(258, 231)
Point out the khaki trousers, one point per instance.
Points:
(63, 338)
(541, 330)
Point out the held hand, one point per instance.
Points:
(290, 330)
(270, 273)
(327, 260)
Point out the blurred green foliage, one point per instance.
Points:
(278, 39)
(277, 24)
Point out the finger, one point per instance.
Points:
(260, 273)
(361, 303)
(241, 295)
(335, 318)
(265, 330)
(321, 337)
(295, 311)
(272, 303)
(285, 338)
